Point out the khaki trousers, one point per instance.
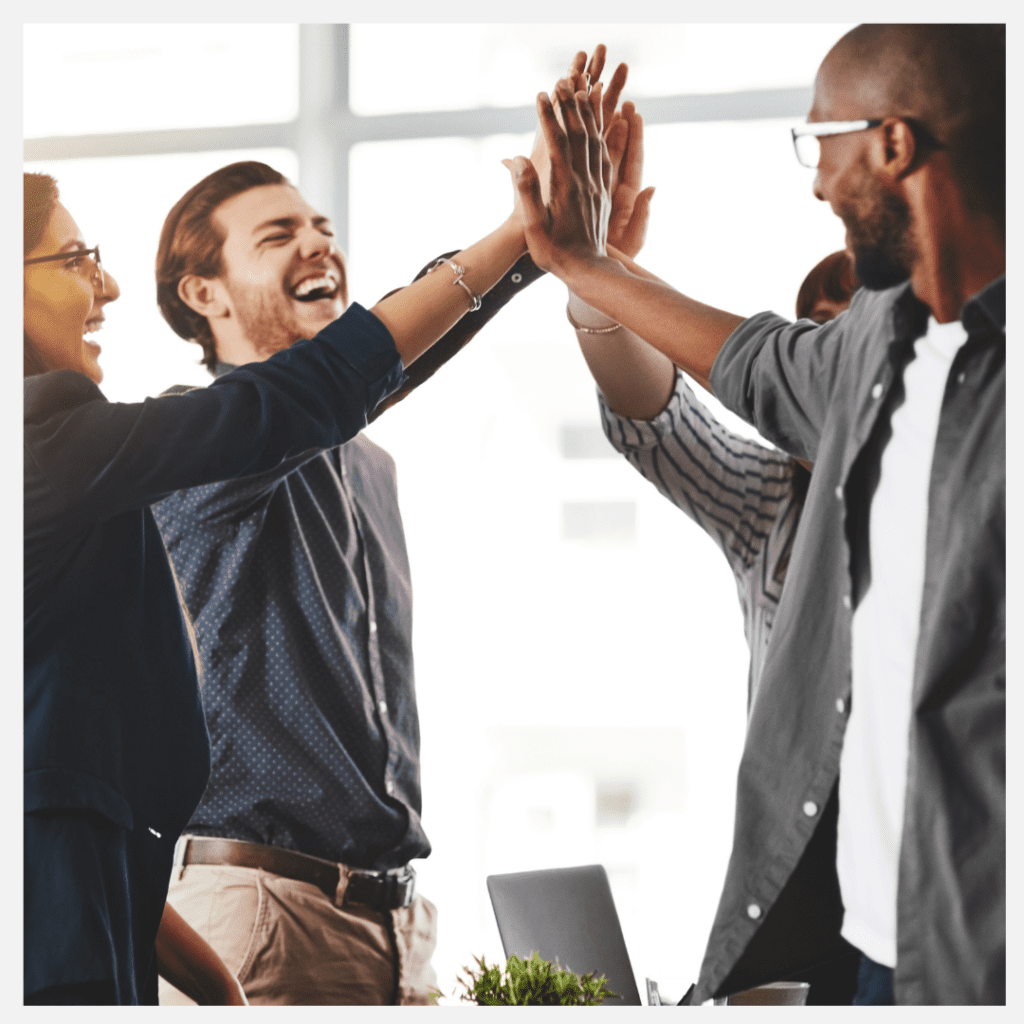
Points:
(290, 945)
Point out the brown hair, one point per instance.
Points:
(834, 278)
(41, 195)
(191, 244)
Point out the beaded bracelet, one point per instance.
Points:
(475, 301)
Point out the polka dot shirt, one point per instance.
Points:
(298, 584)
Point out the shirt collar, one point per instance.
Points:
(985, 309)
(221, 368)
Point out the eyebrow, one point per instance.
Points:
(72, 246)
(289, 222)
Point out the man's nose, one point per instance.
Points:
(816, 187)
(314, 243)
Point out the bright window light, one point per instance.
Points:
(506, 65)
(88, 79)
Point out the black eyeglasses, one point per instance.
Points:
(76, 258)
(806, 137)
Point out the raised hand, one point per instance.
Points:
(583, 78)
(627, 225)
(574, 224)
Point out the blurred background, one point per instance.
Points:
(580, 660)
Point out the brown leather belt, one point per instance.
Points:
(380, 890)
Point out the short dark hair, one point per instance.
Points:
(834, 278)
(951, 81)
(41, 195)
(190, 243)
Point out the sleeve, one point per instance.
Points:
(779, 376)
(732, 488)
(523, 273)
(91, 459)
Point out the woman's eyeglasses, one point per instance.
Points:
(76, 259)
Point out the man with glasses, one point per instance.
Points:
(871, 794)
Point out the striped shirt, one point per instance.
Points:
(739, 492)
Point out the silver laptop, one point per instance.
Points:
(568, 915)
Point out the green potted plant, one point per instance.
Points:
(533, 982)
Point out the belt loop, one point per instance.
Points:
(180, 852)
(343, 876)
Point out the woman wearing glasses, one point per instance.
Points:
(116, 749)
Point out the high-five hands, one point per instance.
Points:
(574, 223)
(623, 133)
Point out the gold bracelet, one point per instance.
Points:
(475, 301)
(590, 330)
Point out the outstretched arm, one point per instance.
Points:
(418, 315)
(569, 236)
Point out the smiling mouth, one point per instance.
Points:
(93, 325)
(316, 287)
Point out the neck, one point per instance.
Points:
(958, 251)
(236, 350)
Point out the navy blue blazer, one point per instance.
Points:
(113, 718)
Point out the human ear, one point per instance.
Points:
(899, 146)
(203, 295)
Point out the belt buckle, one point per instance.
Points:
(393, 890)
(402, 888)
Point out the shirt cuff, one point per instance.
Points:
(364, 343)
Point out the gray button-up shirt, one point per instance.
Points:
(827, 394)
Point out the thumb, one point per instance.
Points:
(636, 232)
(643, 202)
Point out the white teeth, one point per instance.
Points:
(313, 283)
(93, 326)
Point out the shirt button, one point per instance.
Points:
(840, 705)
(383, 705)
(344, 471)
(754, 911)
(373, 626)
(389, 786)
(810, 808)
(961, 377)
(516, 278)
(876, 391)
(847, 603)
(839, 492)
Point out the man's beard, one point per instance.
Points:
(268, 323)
(883, 251)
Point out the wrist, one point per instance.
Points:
(585, 317)
(512, 234)
(583, 274)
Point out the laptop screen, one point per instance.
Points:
(568, 915)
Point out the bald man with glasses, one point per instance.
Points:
(871, 799)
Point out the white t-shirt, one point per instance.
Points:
(873, 768)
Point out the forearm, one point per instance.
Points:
(635, 379)
(688, 332)
(418, 315)
(191, 965)
(521, 275)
